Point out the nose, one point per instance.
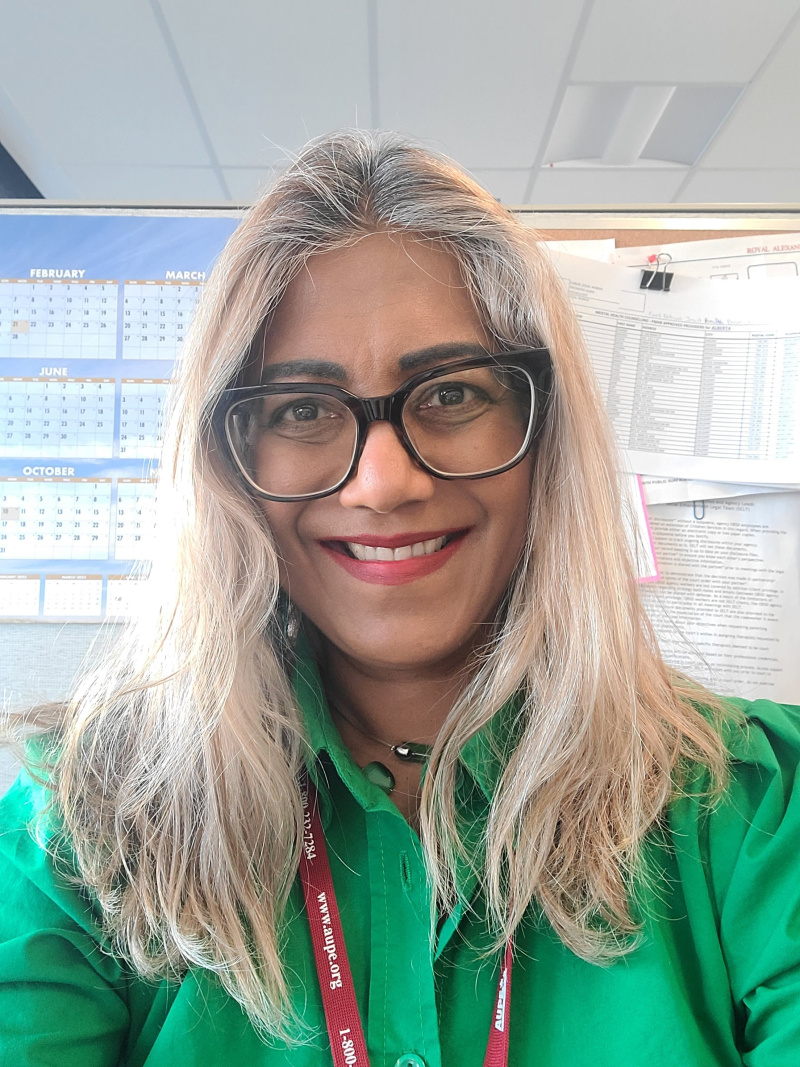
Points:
(386, 477)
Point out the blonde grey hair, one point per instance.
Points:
(177, 773)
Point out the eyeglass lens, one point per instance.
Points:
(466, 423)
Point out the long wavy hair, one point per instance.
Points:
(176, 776)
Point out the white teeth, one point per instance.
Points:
(420, 548)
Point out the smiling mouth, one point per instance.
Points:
(385, 554)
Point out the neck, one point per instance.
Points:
(375, 706)
(388, 704)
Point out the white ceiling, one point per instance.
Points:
(186, 101)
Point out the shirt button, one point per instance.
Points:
(410, 1059)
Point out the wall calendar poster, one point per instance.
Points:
(93, 310)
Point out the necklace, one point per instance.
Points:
(378, 773)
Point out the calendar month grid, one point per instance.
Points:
(54, 518)
(155, 317)
(57, 417)
(58, 319)
(142, 402)
(123, 595)
(19, 595)
(73, 594)
(135, 519)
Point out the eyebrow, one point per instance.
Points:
(420, 359)
(429, 357)
(310, 368)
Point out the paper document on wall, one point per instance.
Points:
(600, 248)
(751, 257)
(727, 607)
(700, 382)
(680, 490)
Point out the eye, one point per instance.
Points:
(445, 406)
(451, 394)
(303, 418)
(304, 410)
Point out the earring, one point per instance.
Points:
(285, 629)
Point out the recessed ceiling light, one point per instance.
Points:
(690, 121)
(639, 118)
(633, 125)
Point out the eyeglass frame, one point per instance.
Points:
(536, 362)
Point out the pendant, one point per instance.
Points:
(411, 753)
(380, 776)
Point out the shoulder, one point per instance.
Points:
(63, 995)
(35, 858)
(763, 743)
(747, 838)
(763, 733)
(738, 856)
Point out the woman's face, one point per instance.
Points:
(364, 309)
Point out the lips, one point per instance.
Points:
(397, 559)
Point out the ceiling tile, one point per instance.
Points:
(28, 151)
(145, 184)
(679, 40)
(95, 84)
(508, 186)
(764, 130)
(247, 183)
(742, 187)
(275, 75)
(601, 185)
(477, 81)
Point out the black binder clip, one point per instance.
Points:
(658, 279)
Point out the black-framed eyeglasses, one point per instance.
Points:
(472, 418)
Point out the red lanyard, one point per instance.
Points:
(333, 967)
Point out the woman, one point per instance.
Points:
(394, 620)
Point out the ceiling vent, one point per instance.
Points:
(638, 125)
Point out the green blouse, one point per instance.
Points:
(714, 982)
